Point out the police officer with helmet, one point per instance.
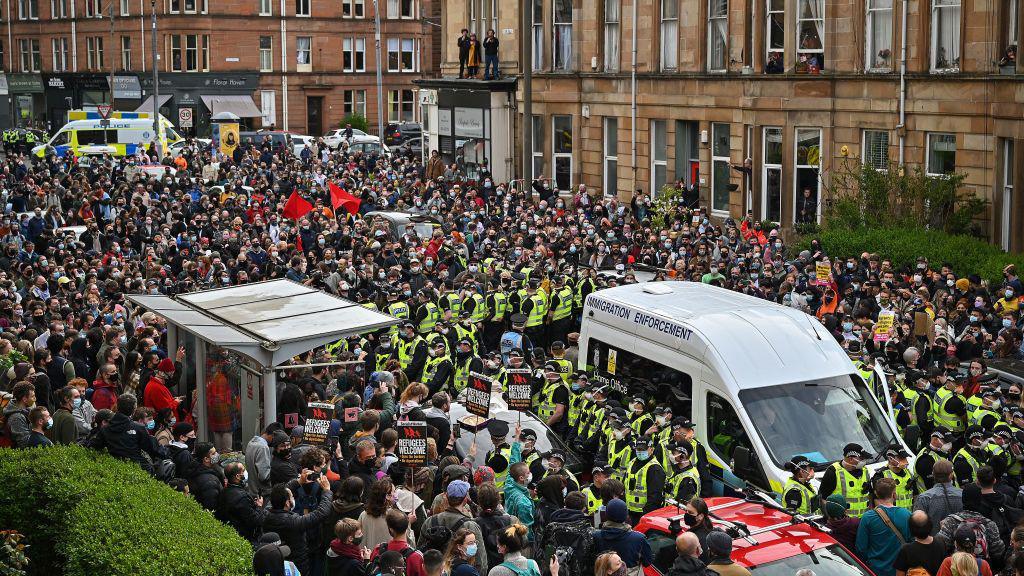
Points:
(939, 447)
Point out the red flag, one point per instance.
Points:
(298, 243)
(296, 207)
(339, 197)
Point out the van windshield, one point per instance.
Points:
(816, 419)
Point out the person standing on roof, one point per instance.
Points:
(849, 477)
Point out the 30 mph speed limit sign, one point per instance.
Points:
(184, 117)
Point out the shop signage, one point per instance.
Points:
(444, 122)
(469, 122)
(127, 87)
(25, 83)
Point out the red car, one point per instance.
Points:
(767, 540)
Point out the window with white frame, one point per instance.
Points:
(483, 16)
(394, 54)
(266, 54)
(94, 52)
(301, 7)
(176, 58)
(266, 7)
(771, 174)
(410, 54)
(355, 102)
(612, 14)
(561, 43)
(268, 106)
(538, 145)
(190, 6)
(1007, 212)
(611, 156)
(191, 53)
(31, 61)
(59, 46)
(669, 34)
(810, 40)
(941, 154)
(775, 39)
(721, 151)
(659, 155)
(58, 9)
(204, 54)
(561, 148)
(876, 149)
(303, 53)
(174, 6)
(126, 53)
(878, 32)
(806, 178)
(125, 7)
(1011, 9)
(29, 9)
(401, 106)
(945, 48)
(407, 8)
(538, 34)
(718, 35)
(353, 8)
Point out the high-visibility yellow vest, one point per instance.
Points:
(853, 489)
(500, 307)
(406, 349)
(807, 495)
(479, 307)
(523, 297)
(944, 418)
(398, 310)
(499, 477)
(620, 457)
(576, 403)
(467, 333)
(636, 486)
(564, 368)
(594, 502)
(675, 480)
(430, 367)
(971, 461)
(641, 424)
(546, 406)
(370, 306)
(537, 313)
(462, 374)
(454, 303)
(973, 404)
(904, 496)
(978, 415)
(433, 338)
(430, 320)
(564, 309)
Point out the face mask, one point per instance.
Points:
(947, 447)
(996, 405)
(49, 423)
(357, 540)
(690, 519)
(216, 458)
(917, 278)
(1008, 294)
(620, 434)
(588, 395)
(950, 283)
(861, 464)
(643, 456)
(1007, 322)
(77, 402)
(528, 479)
(151, 425)
(847, 326)
(975, 371)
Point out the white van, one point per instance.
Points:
(123, 134)
(762, 382)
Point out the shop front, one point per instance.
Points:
(188, 100)
(5, 103)
(127, 92)
(470, 124)
(28, 104)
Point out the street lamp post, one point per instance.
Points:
(380, 77)
(113, 53)
(156, 86)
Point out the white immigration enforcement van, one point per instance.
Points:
(761, 381)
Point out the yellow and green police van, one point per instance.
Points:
(86, 133)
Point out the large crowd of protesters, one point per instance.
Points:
(498, 283)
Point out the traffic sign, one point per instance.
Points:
(184, 117)
(104, 110)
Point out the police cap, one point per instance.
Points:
(497, 428)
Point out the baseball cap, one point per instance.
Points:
(964, 537)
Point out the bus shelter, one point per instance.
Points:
(237, 338)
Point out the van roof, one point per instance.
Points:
(759, 342)
(95, 124)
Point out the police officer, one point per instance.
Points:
(950, 404)
(595, 504)
(427, 314)
(442, 333)
(450, 303)
(529, 453)
(553, 400)
(848, 477)
(919, 397)
(1002, 457)
(577, 403)
(556, 467)
(896, 468)
(364, 300)
(798, 495)
(397, 308)
(411, 351)
(639, 420)
(500, 458)
(515, 338)
(497, 311)
(987, 414)
(683, 478)
(939, 446)
(466, 330)
(645, 482)
(618, 452)
(535, 308)
(438, 370)
(683, 432)
(465, 362)
(560, 310)
(661, 431)
(972, 456)
(565, 368)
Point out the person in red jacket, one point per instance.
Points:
(157, 395)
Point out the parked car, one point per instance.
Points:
(334, 138)
(368, 145)
(178, 147)
(767, 540)
(401, 132)
(397, 221)
(278, 138)
(300, 142)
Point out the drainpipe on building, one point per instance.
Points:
(142, 26)
(632, 99)
(380, 74)
(526, 61)
(902, 127)
(284, 69)
(10, 36)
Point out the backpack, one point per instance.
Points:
(165, 470)
(436, 536)
(490, 526)
(573, 543)
(980, 542)
(374, 565)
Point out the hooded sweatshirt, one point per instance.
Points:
(687, 566)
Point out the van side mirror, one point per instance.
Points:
(741, 459)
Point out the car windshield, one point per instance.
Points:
(830, 561)
(816, 419)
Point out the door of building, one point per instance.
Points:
(314, 115)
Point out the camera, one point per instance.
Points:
(563, 555)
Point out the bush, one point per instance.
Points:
(358, 121)
(965, 254)
(86, 513)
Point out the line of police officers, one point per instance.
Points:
(21, 140)
(936, 418)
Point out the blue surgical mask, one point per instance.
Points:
(151, 425)
(1007, 322)
(847, 326)
(471, 549)
(77, 402)
(643, 455)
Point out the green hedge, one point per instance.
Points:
(967, 255)
(85, 513)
